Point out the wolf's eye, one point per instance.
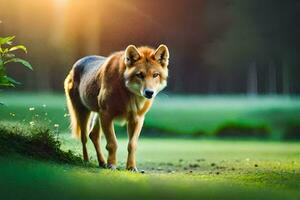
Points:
(155, 75)
(140, 75)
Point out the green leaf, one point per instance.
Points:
(22, 47)
(2, 69)
(4, 50)
(2, 72)
(1, 64)
(13, 81)
(19, 60)
(6, 81)
(9, 55)
(6, 40)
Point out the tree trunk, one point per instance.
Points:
(272, 79)
(252, 80)
(285, 79)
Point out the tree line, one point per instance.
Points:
(217, 46)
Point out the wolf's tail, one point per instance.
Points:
(70, 91)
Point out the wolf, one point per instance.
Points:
(121, 87)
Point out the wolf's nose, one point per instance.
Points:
(148, 93)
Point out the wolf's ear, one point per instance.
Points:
(161, 54)
(131, 55)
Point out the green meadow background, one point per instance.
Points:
(192, 147)
(269, 117)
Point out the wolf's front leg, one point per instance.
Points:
(134, 128)
(112, 145)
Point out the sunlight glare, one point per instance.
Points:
(61, 3)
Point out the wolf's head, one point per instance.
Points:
(146, 70)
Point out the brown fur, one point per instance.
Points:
(121, 86)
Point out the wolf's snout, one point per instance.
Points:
(148, 93)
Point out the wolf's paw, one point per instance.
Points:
(103, 165)
(112, 167)
(133, 169)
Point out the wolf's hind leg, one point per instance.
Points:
(95, 136)
(83, 120)
(78, 113)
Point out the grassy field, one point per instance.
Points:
(269, 117)
(34, 167)
(174, 169)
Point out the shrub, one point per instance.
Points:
(37, 142)
(7, 56)
(242, 130)
(292, 131)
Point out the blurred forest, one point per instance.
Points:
(217, 46)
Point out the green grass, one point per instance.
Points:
(175, 169)
(28, 179)
(34, 141)
(274, 117)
